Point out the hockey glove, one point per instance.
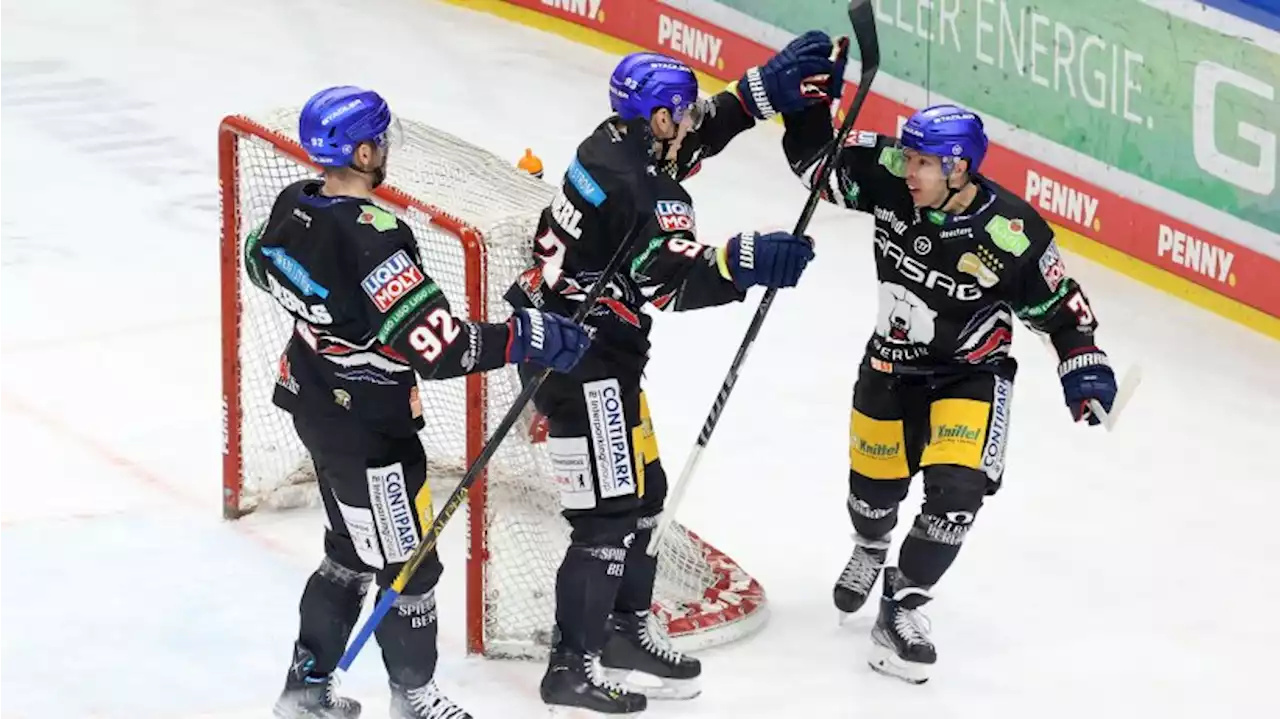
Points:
(801, 74)
(775, 259)
(1086, 375)
(547, 339)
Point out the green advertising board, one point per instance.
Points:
(1176, 103)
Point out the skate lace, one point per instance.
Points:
(913, 626)
(860, 573)
(330, 699)
(431, 703)
(658, 646)
(595, 673)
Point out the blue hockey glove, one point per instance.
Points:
(801, 74)
(1086, 375)
(546, 339)
(775, 259)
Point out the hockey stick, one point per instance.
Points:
(625, 249)
(862, 18)
(1128, 384)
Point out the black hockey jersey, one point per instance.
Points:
(612, 189)
(950, 284)
(366, 314)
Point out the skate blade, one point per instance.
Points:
(285, 712)
(842, 616)
(652, 686)
(885, 661)
(563, 712)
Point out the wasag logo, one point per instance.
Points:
(589, 9)
(689, 41)
(1196, 254)
(1062, 200)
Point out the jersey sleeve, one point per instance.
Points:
(671, 268)
(805, 141)
(412, 315)
(724, 120)
(253, 260)
(1045, 297)
(675, 272)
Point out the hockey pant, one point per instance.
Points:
(376, 501)
(951, 427)
(612, 486)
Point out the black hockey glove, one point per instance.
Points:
(1086, 375)
(801, 74)
(775, 259)
(546, 339)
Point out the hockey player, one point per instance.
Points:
(628, 174)
(368, 321)
(957, 256)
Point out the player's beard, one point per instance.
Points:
(379, 175)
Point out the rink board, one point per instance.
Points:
(1180, 258)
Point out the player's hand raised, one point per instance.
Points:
(774, 259)
(546, 339)
(807, 71)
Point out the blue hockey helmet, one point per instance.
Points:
(948, 131)
(337, 119)
(645, 81)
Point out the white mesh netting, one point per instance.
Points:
(701, 595)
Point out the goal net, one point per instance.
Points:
(474, 216)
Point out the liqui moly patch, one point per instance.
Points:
(674, 216)
(391, 280)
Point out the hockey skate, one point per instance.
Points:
(635, 647)
(860, 574)
(308, 697)
(900, 638)
(424, 702)
(577, 680)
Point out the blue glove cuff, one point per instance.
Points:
(1089, 358)
(759, 97)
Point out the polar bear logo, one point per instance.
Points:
(904, 318)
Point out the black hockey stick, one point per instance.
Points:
(625, 249)
(862, 18)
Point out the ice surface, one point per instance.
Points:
(1115, 574)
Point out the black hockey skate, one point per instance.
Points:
(634, 646)
(900, 638)
(424, 702)
(860, 574)
(574, 679)
(308, 697)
